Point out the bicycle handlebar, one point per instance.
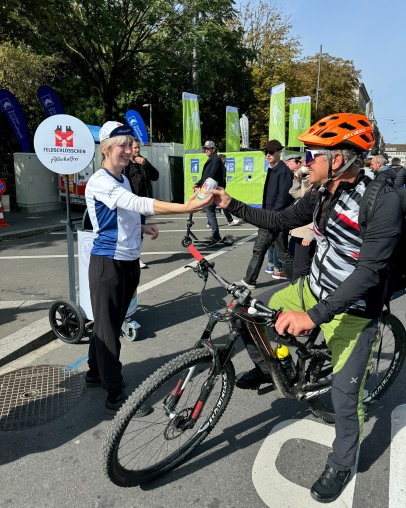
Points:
(242, 294)
(195, 253)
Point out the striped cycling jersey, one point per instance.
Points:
(338, 249)
(115, 215)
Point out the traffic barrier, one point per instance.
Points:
(3, 223)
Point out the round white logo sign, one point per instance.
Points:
(64, 144)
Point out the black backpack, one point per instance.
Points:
(397, 265)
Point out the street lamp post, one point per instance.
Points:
(318, 81)
(150, 120)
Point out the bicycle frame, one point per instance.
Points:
(238, 316)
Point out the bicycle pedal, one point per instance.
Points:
(266, 389)
(303, 354)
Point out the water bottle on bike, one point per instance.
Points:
(286, 360)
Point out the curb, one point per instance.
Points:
(25, 340)
(31, 232)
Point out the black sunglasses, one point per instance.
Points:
(270, 152)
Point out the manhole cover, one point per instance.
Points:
(37, 394)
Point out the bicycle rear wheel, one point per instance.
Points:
(387, 359)
(137, 450)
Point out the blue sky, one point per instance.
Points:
(373, 35)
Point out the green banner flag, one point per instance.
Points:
(232, 130)
(191, 121)
(277, 113)
(299, 119)
(245, 174)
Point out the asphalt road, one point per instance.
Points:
(266, 451)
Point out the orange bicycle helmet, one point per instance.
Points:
(341, 130)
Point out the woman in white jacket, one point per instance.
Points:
(114, 269)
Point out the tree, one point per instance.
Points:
(339, 82)
(21, 72)
(267, 34)
(109, 43)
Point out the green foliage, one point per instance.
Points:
(22, 71)
(104, 57)
(267, 33)
(339, 82)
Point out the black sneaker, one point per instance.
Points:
(143, 410)
(93, 381)
(252, 379)
(114, 402)
(330, 485)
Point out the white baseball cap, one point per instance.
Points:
(111, 129)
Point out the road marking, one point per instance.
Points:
(143, 253)
(179, 271)
(277, 491)
(397, 491)
(75, 365)
(4, 258)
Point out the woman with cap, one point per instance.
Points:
(302, 237)
(114, 269)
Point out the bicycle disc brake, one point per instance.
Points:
(174, 429)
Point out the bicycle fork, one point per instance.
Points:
(171, 402)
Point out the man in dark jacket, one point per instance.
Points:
(213, 168)
(400, 172)
(345, 290)
(140, 173)
(275, 197)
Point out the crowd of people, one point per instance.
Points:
(306, 227)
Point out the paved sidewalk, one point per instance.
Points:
(24, 224)
(28, 224)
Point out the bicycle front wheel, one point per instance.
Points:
(137, 450)
(387, 359)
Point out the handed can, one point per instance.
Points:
(205, 189)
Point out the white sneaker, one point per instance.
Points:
(246, 284)
(143, 265)
(234, 222)
(208, 226)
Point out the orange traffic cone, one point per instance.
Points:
(3, 223)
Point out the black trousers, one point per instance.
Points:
(302, 258)
(264, 240)
(112, 284)
(350, 357)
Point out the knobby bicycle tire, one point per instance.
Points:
(137, 450)
(379, 377)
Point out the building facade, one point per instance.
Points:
(398, 150)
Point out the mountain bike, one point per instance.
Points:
(189, 394)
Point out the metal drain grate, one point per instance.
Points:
(38, 394)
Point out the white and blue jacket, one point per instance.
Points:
(115, 215)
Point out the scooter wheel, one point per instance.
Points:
(131, 335)
(186, 242)
(228, 240)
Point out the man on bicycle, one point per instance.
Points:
(344, 292)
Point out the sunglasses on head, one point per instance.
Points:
(311, 154)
